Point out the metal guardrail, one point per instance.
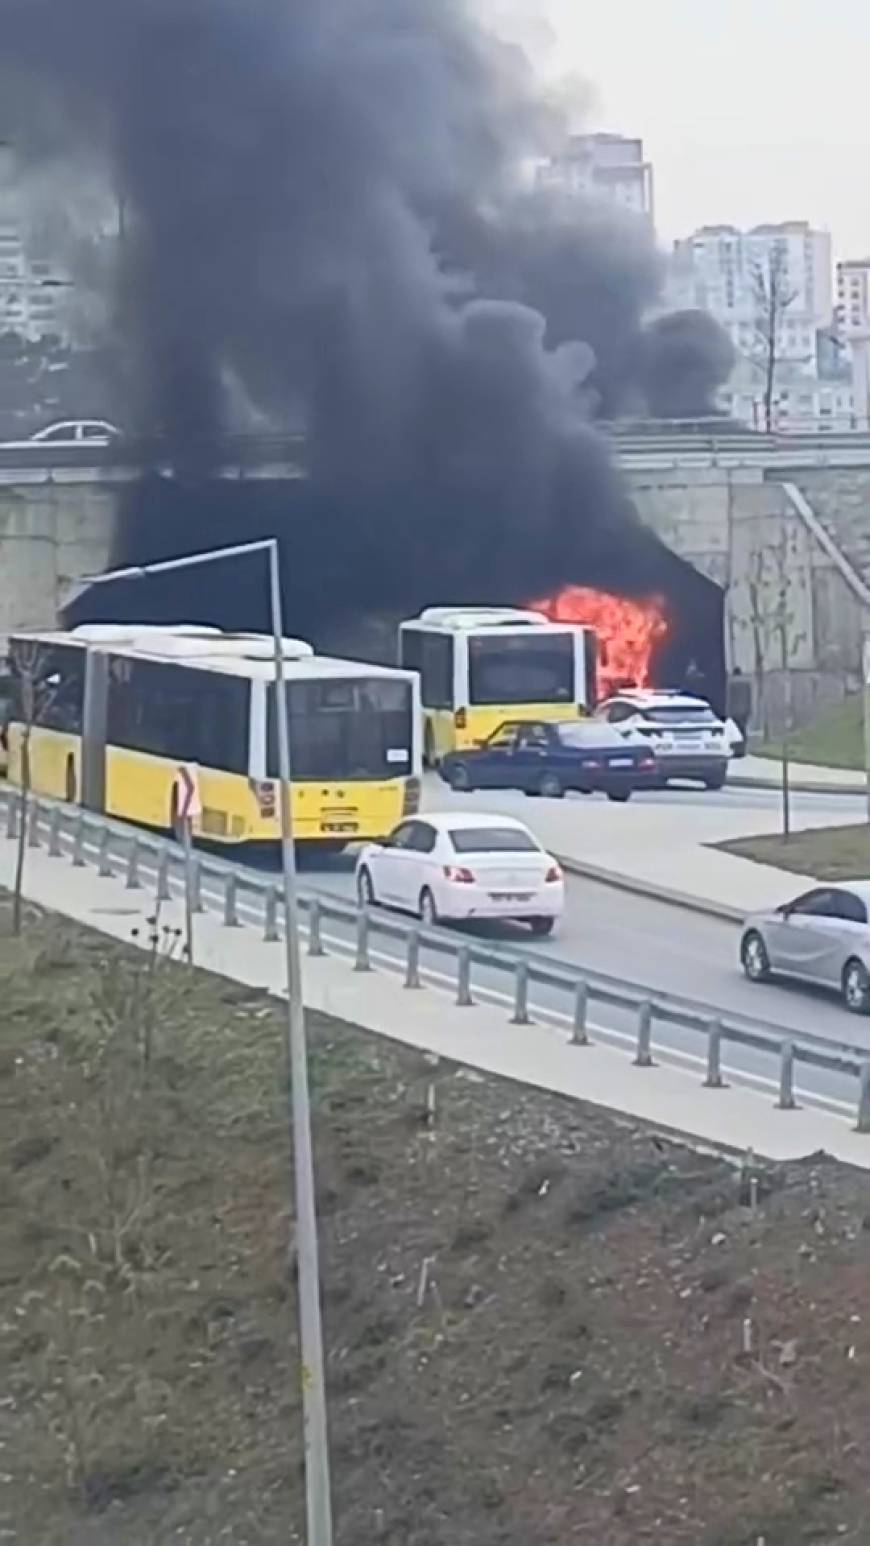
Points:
(82, 836)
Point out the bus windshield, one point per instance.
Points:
(521, 668)
(346, 728)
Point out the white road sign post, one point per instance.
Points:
(188, 806)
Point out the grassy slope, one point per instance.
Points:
(835, 739)
(828, 853)
(574, 1370)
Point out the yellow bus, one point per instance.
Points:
(121, 708)
(479, 666)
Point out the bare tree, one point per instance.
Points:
(773, 572)
(772, 298)
(34, 691)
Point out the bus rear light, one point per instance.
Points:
(264, 794)
(411, 797)
(458, 873)
(460, 719)
(553, 875)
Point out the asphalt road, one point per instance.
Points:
(638, 941)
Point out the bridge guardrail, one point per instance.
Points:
(83, 836)
(242, 451)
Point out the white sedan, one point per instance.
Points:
(463, 866)
(69, 434)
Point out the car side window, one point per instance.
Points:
(503, 739)
(846, 905)
(814, 904)
(402, 836)
(533, 738)
(423, 838)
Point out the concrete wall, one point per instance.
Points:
(742, 531)
(733, 524)
(50, 534)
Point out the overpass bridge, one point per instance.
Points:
(283, 456)
(717, 495)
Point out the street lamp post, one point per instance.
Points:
(317, 1485)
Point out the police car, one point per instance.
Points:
(689, 740)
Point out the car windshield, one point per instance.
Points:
(597, 734)
(492, 840)
(678, 714)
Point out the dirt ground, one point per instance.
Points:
(544, 1324)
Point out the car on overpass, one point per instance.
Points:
(689, 740)
(460, 866)
(822, 938)
(68, 434)
(553, 758)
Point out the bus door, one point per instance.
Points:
(93, 759)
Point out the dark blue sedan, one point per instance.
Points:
(550, 759)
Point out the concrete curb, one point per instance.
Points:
(648, 888)
(799, 786)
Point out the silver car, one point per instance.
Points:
(822, 937)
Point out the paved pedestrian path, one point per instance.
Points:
(804, 777)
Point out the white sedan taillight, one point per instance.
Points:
(553, 874)
(459, 873)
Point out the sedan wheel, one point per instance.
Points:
(856, 988)
(458, 776)
(753, 954)
(542, 927)
(365, 890)
(427, 909)
(550, 787)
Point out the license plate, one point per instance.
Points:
(510, 896)
(620, 762)
(339, 826)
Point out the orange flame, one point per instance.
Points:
(628, 631)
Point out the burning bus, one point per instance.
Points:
(628, 632)
(479, 666)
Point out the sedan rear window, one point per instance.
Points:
(674, 715)
(492, 840)
(597, 734)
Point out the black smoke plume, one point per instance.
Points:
(323, 199)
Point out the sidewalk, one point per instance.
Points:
(804, 777)
(669, 1098)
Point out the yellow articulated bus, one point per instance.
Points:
(479, 666)
(121, 708)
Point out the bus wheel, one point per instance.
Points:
(70, 781)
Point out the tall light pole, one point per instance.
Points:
(317, 1486)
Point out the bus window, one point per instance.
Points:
(521, 669)
(59, 687)
(351, 728)
(436, 671)
(180, 713)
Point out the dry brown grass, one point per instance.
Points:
(568, 1366)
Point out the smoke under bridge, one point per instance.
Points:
(352, 568)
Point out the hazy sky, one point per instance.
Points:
(749, 109)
